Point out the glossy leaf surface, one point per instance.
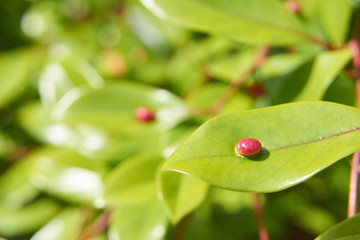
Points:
(15, 187)
(28, 218)
(66, 174)
(14, 70)
(245, 21)
(309, 137)
(132, 181)
(84, 138)
(335, 27)
(207, 96)
(113, 106)
(231, 67)
(181, 194)
(326, 67)
(65, 226)
(147, 221)
(346, 230)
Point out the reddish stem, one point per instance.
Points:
(263, 235)
(227, 95)
(352, 204)
(97, 227)
(238, 82)
(180, 228)
(314, 40)
(354, 175)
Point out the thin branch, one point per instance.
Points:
(227, 95)
(353, 186)
(354, 45)
(180, 228)
(97, 227)
(314, 40)
(238, 82)
(263, 235)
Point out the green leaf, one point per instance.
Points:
(352, 237)
(315, 220)
(67, 174)
(246, 21)
(231, 67)
(326, 67)
(230, 201)
(132, 181)
(184, 72)
(147, 221)
(58, 78)
(15, 186)
(65, 226)
(308, 7)
(285, 88)
(8, 145)
(113, 106)
(282, 64)
(298, 140)
(342, 90)
(84, 138)
(335, 27)
(26, 219)
(14, 70)
(347, 229)
(207, 96)
(171, 140)
(181, 194)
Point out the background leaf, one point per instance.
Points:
(325, 68)
(132, 181)
(335, 27)
(150, 216)
(14, 69)
(15, 188)
(113, 106)
(231, 67)
(245, 21)
(65, 226)
(27, 219)
(67, 174)
(347, 229)
(181, 194)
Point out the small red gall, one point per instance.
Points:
(292, 6)
(256, 90)
(144, 114)
(248, 147)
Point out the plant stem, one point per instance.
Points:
(227, 95)
(238, 82)
(314, 40)
(352, 203)
(180, 228)
(354, 45)
(97, 227)
(263, 235)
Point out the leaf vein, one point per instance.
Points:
(318, 140)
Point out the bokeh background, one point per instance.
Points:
(72, 72)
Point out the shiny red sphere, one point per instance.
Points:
(144, 114)
(248, 147)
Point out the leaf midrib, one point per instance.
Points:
(286, 147)
(317, 140)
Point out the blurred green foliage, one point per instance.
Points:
(72, 73)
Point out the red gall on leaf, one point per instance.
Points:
(248, 147)
(256, 90)
(144, 114)
(292, 6)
